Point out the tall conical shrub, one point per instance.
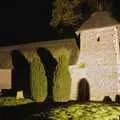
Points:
(38, 80)
(62, 80)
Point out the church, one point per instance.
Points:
(99, 53)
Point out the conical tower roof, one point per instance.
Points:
(99, 20)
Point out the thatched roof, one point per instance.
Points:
(28, 50)
(99, 20)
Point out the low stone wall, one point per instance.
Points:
(100, 87)
(5, 78)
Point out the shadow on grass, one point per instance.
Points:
(30, 111)
(35, 111)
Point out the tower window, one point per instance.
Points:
(98, 40)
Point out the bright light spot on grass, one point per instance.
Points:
(90, 111)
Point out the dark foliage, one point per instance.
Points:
(107, 99)
(49, 63)
(20, 75)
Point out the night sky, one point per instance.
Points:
(27, 20)
(23, 20)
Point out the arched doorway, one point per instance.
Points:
(83, 90)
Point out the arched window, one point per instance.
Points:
(98, 39)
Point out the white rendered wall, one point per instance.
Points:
(101, 59)
(76, 74)
(5, 78)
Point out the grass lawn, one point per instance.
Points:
(87, 111)
(26, 109)
(12, 101)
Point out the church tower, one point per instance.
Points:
(99, 51)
